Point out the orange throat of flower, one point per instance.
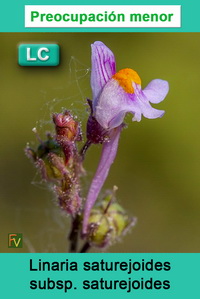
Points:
(125, 78)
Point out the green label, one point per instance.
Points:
(15, 240)
(38, 55)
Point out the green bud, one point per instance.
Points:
(108, 222)
(48, 158)
(49, 146)
(52, 170)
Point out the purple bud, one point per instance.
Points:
(66, 127)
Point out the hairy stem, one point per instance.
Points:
(84, 149)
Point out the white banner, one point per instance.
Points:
(102, 16)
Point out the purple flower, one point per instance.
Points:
(114, 95)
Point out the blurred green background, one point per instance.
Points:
(157, 168)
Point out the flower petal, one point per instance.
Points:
(107, 158)
(103, 68)
(150, 112)
(156, 91)
(113, 104)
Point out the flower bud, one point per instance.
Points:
(66, 126)
(48, 146)
(67, 133)
(48, 158)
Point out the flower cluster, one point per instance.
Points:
(58, 161)
(115, 93)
